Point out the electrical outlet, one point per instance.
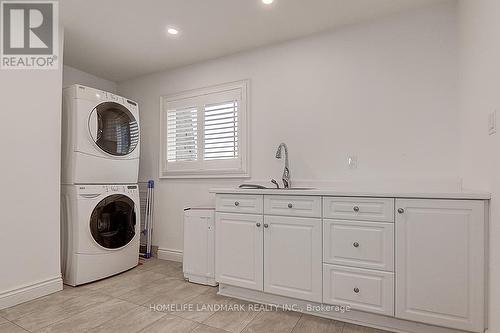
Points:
(352, 162)
(492, 123)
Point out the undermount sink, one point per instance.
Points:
(261, 187)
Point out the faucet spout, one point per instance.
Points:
(286, 171)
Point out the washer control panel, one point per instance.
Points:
(120, 188)
(106, 189)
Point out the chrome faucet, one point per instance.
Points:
(286, 170)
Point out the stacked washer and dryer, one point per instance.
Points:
(100, 227)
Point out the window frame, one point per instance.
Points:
(231, 168)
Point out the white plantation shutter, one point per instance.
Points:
(204, 133)
(182, 135)
(221, 131)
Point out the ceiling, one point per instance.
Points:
(123, 39)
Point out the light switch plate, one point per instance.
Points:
(492, 123)
(352, 162)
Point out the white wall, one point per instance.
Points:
(479, 95)
(30, 106)
(383, 90)
(75, 76)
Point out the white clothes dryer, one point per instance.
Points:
(101, 137)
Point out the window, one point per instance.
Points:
(204, 133)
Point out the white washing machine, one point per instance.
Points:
(100, 141)
(100, 231)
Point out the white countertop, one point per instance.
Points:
(361, 193)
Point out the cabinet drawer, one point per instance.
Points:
(362, 289)
(239, 203)
(354, 208)
(359, 244)
(287, 205)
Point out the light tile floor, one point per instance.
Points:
(122, 304)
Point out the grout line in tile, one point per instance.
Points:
(126, 292)
(201, 324)
(75, 314)
(258, 314)
(65, 317)
(24, 329)
(343, 325)
(131, 310)
(300, 317)
(146, 305)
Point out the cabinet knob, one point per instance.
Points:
(290, 205)
(236, 203)
(356, 290)
(266, 225)
(401, 210)
(355, 208)
(355, 244)
(257, 224)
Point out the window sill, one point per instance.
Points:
(211, 175)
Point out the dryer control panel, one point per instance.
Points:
(79, 91)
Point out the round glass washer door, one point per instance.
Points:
(114, 129)
(112, 223)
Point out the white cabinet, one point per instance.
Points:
(292, 257)
(406, 262)
(239, 250)
(198, 262)
(276, 254)
(362, 289)
(232, 203)
(288, 205)
(359, 208)
(359, 244)
(440, 260)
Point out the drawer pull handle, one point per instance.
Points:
(290, 205)
(355, 244)
(257, 224)
(236, 203)
(356, 290)
(401, 210)
(356, 208)
(266, 225)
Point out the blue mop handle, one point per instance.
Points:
(151, 183)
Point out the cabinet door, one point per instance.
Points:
(238, 250)
(292, 257)
(440, 255)
(196, 242)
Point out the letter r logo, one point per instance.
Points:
(27, 28)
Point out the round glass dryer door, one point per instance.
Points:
(112, 223)
(114, 129)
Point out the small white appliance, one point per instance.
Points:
(100, 231)
(100, 141)
(198, 262)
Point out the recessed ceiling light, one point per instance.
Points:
(267, 2)
(173, 31)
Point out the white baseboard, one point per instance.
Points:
(170, 254)
(29, 292)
